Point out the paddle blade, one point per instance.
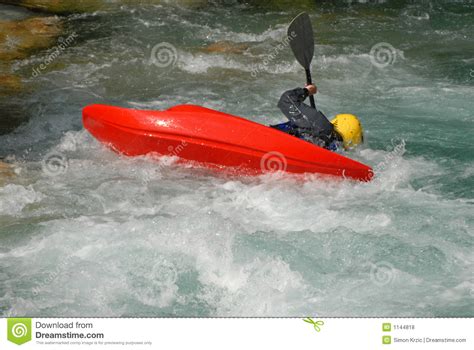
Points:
(301, 38)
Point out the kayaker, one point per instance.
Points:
(312, 125)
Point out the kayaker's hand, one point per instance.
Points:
(312, 89)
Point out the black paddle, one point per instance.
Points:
(301, 39)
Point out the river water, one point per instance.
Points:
(85, 232)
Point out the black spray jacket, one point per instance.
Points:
(306, 118)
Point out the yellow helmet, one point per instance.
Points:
(350, 129)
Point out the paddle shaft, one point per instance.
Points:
(309, 82)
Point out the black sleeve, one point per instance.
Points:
(304, 116)
(292, 106)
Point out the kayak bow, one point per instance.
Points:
(214, 139)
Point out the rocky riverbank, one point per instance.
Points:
(19, 39)
(54, 6)
(22, 33)
(69, 6)
(6, 172)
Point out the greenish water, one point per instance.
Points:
(113, 236)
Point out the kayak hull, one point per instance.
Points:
(214, 139)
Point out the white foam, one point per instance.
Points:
(15, 198)
(201, 63)
(220, 32)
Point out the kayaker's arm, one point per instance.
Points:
(307, 119)
(292, 106)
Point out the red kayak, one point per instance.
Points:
(214, 139)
